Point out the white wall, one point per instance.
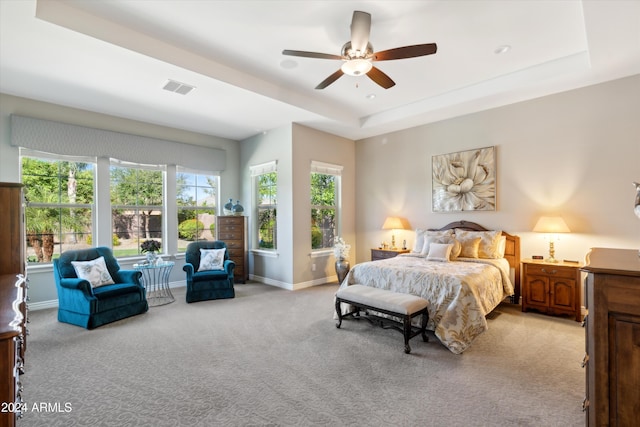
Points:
(42, 286)
(575, 154)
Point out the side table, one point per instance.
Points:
(155, 279)
(378, 254)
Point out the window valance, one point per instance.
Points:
(73, 140)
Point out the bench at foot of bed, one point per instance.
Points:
(402, 306)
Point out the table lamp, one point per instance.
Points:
(551, 225)
(393, 223)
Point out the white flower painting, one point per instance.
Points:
(464, 181)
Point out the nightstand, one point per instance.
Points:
(378, 254)
(552, 288)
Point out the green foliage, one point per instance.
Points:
(115, 240)
(190, 229)
(316, 238)
(212, 228)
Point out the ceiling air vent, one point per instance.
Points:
(177, 87)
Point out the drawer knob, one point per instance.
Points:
(585, 359)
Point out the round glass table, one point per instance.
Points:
(155, 279)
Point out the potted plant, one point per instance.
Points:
(150, 247)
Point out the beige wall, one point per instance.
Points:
(294, 147)
(575, 154)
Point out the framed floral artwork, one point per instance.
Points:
(464, 181)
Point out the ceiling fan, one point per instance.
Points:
(358, 54)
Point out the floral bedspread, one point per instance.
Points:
(460, 293)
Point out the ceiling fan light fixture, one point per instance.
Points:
(356, 67)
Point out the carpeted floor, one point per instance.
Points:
(272, 357)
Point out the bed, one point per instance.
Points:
(462, 290)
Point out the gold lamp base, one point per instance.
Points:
(552, 253)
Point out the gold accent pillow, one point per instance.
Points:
(489, 242)
(470, 246)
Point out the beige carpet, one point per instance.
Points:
(272, 357)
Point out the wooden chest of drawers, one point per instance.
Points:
(612, 359)
(233, 231)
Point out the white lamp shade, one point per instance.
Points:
(551, 224)
(393, 223)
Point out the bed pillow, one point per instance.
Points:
(489, 241)
(440, 252)
(470, 246)
(419, 240)
(211, 259)
(94, 271)
(435, 236)
(502, 246)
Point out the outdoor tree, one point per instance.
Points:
(53, 191)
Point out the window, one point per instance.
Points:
(325, 192)
(59, 204)
(266, 191)
(197, 196)
(136, 206)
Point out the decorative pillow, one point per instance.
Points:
(489, 241)
(440, 252)
(470, 246)
(502, 246)
(94, 271)
(419, 240)
(437, 237)
(211, 259)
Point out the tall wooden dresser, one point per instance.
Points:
(612, 359)
(13, 308)
(232, 230)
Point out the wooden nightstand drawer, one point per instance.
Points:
(551, 270)
(378, 254)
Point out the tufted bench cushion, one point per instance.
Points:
(399, 305)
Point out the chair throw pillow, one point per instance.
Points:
(211, 259)
(94, 271)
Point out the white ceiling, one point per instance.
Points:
(114, 57)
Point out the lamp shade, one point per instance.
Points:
(393, 223)
(551, 224)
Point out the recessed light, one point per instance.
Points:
(502, 49)
(371, 96)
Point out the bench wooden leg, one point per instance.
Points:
(423, 326)
(406, 323)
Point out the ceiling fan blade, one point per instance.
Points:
(380, 78)
(332, 78)
(406, 52)
(310, 54)
(360, 30)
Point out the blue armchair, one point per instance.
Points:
(81, 304)
(208, 284)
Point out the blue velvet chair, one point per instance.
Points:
(82, 305)
(208, 284)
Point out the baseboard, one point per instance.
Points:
(293, 286)
(42, 305)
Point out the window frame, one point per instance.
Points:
(216, 207)
(256, 172)
(60, 205)
(137, 207)
(335, 171)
